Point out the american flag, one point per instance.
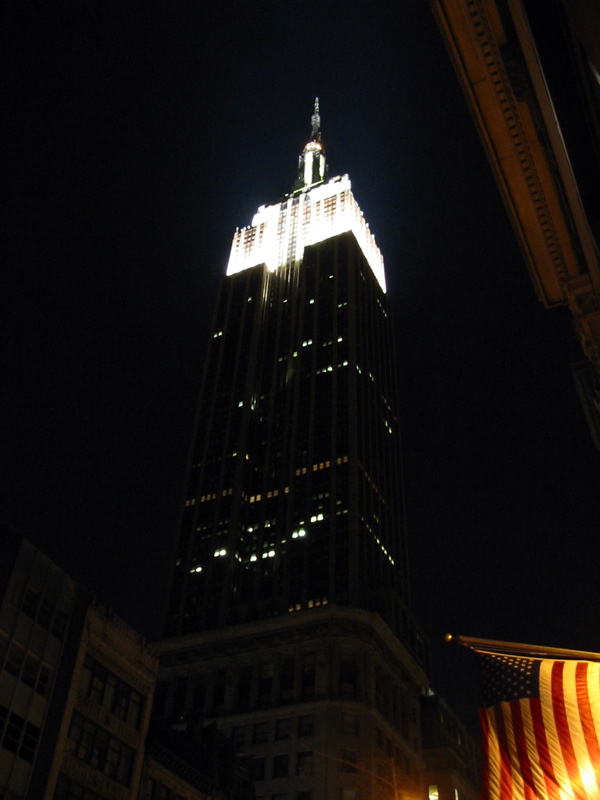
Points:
(541, 728)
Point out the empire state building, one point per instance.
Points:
(289, 619)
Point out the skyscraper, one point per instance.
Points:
(289, 619)
(294, 492)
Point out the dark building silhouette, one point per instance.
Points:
(294, 492)
(76, 690)
(289, 620)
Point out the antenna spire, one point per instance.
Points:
(311, 165)
(315, 122)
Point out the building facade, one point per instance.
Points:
(531, 77)
(76, 687)
(76, 691)
(289, 619)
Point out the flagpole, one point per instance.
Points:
(495, 646)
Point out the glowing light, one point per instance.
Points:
(279, 233)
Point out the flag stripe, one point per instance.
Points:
(548, 701)
(565, 740)
(486, 744)
(543, 749)
(584, 733)
(523, 775)
(544, 788)
(504, 765)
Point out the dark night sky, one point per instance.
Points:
(139, 136)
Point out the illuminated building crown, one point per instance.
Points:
(313, 212)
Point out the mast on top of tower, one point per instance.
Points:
(315, 121)
(311, 166)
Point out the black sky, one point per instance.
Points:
(139, 136)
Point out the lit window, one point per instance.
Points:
(433, 793)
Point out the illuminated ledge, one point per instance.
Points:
(279, 233)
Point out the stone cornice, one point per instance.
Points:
(496, 60)
(330, 622)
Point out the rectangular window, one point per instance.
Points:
(14, 659)
(31, 602)
(286, 680)
(308, 677)
(348, 680)
(261, 731)
(306, 725)
(304, 763)
(30, 670)
(258, 769)
(43, 611)
(17, 735)
(43, 681)
(111, 692)
(94, 746)
(283, 729)
(265, 684)
(280, 766)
